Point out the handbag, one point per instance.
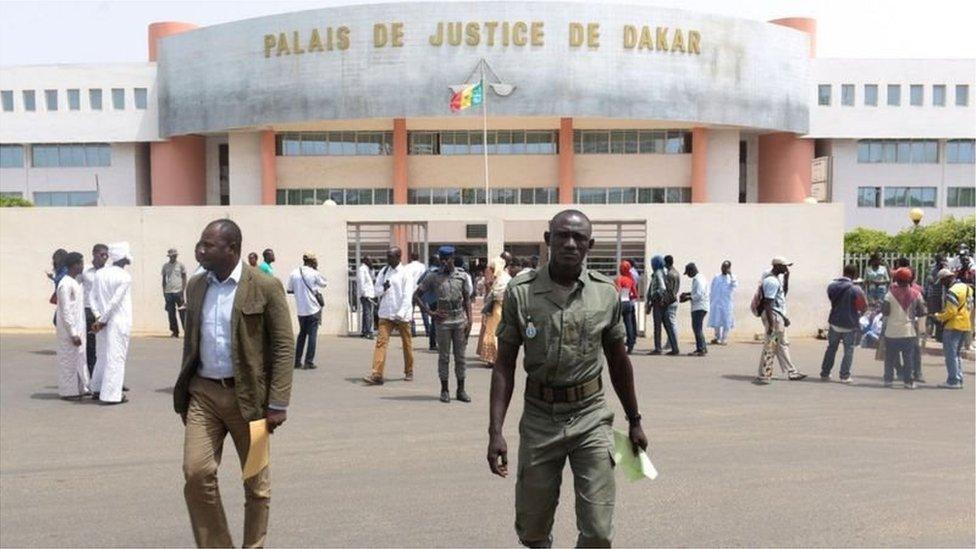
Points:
(315, 293)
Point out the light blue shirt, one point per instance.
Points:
(773, 289)
(216, 361)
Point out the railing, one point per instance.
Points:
(920, 263)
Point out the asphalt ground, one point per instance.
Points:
(789, 464)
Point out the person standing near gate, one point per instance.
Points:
(720, 311)
(236, 368)
(847, 303)
(774, 319)
(452, 290)
(394, 289)
(174, 284)
(627, 292)
(306, 283)
(569, 321)
(698, 296)
(72, 372)
(367, 296)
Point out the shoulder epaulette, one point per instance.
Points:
(600, 277)
(523, 278)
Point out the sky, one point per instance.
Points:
(44, 32)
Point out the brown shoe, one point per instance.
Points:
(370, 380)
(408, 377)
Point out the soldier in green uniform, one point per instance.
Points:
(568, 319)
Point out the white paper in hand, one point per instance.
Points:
(634, 466)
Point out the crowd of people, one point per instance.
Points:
(889, 310)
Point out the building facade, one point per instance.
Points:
(587, 104)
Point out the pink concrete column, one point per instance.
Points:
(567, 175)
(269, 168)
(785, 167)
(177, 167)
(785, 159)
(699, 158)
(164, 29)
(400, 181)
(177, 173)
(399, 161)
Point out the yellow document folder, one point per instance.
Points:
(259, 451)
(634, 466)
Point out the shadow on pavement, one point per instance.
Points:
(46, 352)
(165, 390)
(411, 398)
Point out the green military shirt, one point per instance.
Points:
(563, 330)
(450, 290)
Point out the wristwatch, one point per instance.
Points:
(633, 419)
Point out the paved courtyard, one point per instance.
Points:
(790, 464)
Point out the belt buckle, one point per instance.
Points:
(548, 394)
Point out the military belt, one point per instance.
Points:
(573, 393)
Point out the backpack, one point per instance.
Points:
(756, 306)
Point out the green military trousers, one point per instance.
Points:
(550, 433)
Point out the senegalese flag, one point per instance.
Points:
(469, 96)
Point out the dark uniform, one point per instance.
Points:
(563, 331)
(450, 291)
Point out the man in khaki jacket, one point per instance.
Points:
(237, 367)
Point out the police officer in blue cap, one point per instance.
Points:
(453, 314)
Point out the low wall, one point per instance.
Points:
(746, 234)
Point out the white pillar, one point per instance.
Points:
(244, 164)
(722, 166)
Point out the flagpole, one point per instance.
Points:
(484, 127)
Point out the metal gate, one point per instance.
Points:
(374, 239)
(615, 242)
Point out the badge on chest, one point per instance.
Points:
(530, 330)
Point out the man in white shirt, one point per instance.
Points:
(366, 294)
(306, 283)
(775, 322)
(112, 307)
(72, 372)
(698, 296)
(99, 258)
(394, 289)
(417, 270)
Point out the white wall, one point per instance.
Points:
(848, 175)
(862, 121)
(244, 162)
(722, 166)
(124, 183)
(84, 125)
(749, 235)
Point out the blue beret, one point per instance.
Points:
(445, 251)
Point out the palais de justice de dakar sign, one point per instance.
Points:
(581, 36)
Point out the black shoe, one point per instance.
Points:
(824, 377)
(94, 396)
(655, 352)
(462, 396)
(298, 365)
(125, 389)
(310, 366)
(673, 353)
(174, 334)
(445, 396)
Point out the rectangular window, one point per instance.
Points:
(823, 95)
(118, 98)
(11, 194)
(66, 198)
(894, 95)
(7, 98)
(621, 195)
(869, 197)
(595, 141)
(140, 97)
(594, 195)
(51, 100)
(472, 196)
(871, 95)
(847, 95)
(676, 195)
(910, 197)
(71, 155)
(74, 100)
(30, 101)
(938, 95)
(95, 99)
(916, 94)
(891, 151)
(382, 196)
(961, 197)
(423, 143)
(962, 95)
(960, 151)
(11, 156)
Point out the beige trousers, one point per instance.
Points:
(383, 333)
(212, 413)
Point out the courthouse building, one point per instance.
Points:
(588, 104)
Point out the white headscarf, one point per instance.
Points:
(119, 251)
